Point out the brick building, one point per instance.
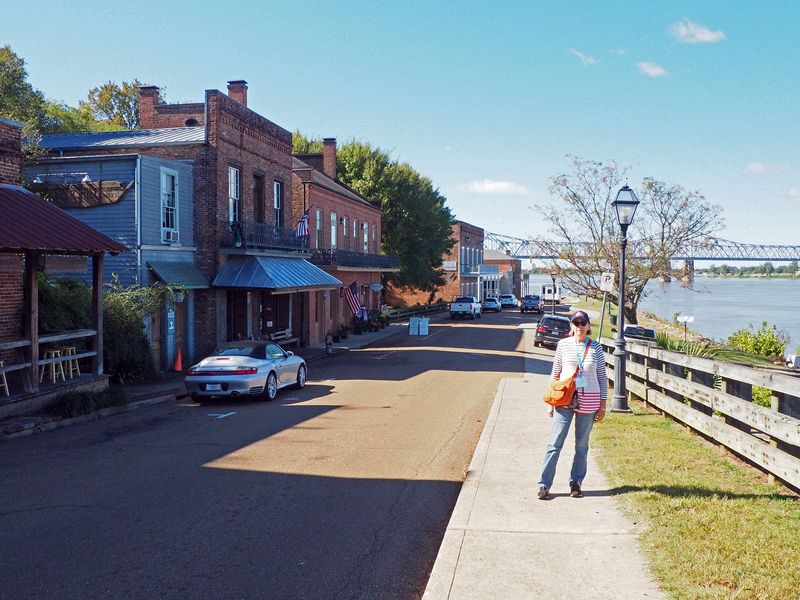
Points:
(510, 270)
(243, 217)
(345, 239)
(464, 270)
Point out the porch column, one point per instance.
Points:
(97, 313)
(30, 376)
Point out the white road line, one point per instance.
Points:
(221, 415)
(383, 355)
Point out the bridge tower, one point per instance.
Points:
(688, 271)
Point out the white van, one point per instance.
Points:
(551, 294)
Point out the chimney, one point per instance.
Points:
(237, 89)
(329, 157)
(10, 152)
(148, 100)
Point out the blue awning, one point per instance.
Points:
(183, 274)
(275, 273)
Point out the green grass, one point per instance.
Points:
(712, 527)
(597, 305)
(75, 404)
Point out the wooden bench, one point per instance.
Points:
(283, 337)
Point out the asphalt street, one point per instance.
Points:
(340, 490)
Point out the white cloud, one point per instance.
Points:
(760, 168)
(494, 188)
(793, 194)
(651, 69)
(694, 33)
(584, 58)
(619, 51)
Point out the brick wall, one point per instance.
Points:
(11, 301)
(10, 152)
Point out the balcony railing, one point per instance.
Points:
(263, 236)
(343, 258)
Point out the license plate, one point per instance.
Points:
(213, 387)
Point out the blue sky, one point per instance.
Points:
(486, 99)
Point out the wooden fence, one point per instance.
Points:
(395, 314)
(715, 399)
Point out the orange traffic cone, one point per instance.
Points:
(178, 366)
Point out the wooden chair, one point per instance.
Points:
(56, 368)
(3, 381)
(72, 363)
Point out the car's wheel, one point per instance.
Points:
(301, 377)
(271, 387)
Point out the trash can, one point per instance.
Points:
(613, 319)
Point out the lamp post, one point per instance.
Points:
(553, 296)
(625, 205)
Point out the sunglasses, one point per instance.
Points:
(580, 323)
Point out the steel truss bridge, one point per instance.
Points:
(711, 249)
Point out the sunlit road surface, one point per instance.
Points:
(340, 490)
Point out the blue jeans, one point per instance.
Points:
(562, 417)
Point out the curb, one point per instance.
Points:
(32, 428)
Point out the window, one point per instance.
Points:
(334, 230)
(374, 238)
(277, 202)
(319, 227)
(355, 232)
(234, 197)
(365, 232)
(345, 239)
(258, 198)
(169, 205)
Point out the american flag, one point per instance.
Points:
(302, 226)
(351, 293)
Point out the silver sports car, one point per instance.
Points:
(246, 368)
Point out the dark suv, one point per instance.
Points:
(532, 303)
(640, 335)
(551, 329)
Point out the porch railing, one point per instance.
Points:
(261, 236)
(345, 258)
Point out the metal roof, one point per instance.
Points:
(125, 139)
(29, 223)
(273, 272)
(182, 273)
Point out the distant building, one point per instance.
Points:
(510, 269)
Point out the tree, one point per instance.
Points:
(416, 223)
(117, 104)
(19, 101)
(768, 269)
(668, 221)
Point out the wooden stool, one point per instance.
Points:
(3, 382)
(72, 363)
(56, 368)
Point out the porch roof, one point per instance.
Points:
(273, 272)
(182, 273)
(32, 224)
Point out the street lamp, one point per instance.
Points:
(553, 296)
(625, 205)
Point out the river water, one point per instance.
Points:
(721, 306)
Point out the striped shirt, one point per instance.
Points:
(594, 368)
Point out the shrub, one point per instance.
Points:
(75, 404)
(765, 342)
(63, 305)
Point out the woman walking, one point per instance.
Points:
(578, 351)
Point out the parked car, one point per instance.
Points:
(532, 303)
(246, 368)
(465, 307)
(491, 304)
(508, 301)
(640, 335)
(551, 329)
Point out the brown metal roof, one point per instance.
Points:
(29, 223)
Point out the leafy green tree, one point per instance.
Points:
(791, 269)
(768, 269)
(116, 104)
(416, 223)
(19, 101)
(304, 145)
(67, 119)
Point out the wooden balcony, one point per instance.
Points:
(344, 258)
(261, 236)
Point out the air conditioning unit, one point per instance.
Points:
(171, 236)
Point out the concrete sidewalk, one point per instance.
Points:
(504, 543)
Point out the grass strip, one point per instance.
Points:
(712, 526)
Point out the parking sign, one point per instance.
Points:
(607, 282)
